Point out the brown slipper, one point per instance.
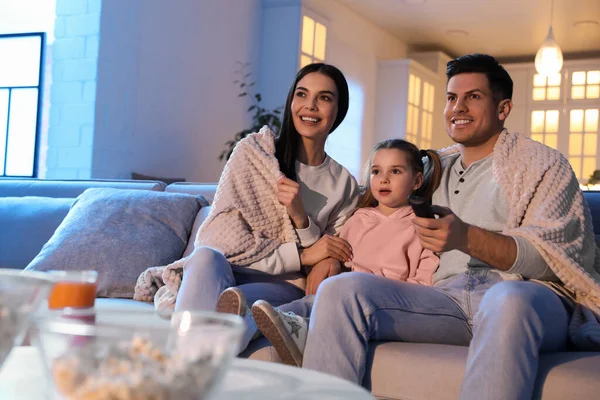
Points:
(232, 301)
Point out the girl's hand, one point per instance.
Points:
(288, 194)
(321, 271)
(328, 246)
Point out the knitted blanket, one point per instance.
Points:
(246, 222)
(548, 208)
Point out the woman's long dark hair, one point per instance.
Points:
(432, 172)
(287, 142)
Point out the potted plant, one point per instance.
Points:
(261, 116)
(594, 178)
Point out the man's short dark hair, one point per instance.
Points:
(499, 80)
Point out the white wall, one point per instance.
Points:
(34, 16)
(166, 102)
(279, 49)
(355, 45)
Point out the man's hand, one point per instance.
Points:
(288, 194)
(328, 246)
(321, 271)
(444, 234)
(450, 233)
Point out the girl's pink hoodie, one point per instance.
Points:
(388, 246)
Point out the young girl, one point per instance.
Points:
(381, 233)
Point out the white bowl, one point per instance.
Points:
(132, 354)
(21, 293)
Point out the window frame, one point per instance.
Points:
(317, 19)
(40, 89)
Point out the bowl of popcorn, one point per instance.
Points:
(133, 354)
(21, 293)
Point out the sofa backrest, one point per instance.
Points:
(35, 207)
(593, 200)
(68, 189)
(32, 209)
(196, 188)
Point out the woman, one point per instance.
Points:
(317, 192)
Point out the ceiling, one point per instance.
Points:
(506, 29)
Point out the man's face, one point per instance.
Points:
(472, 116)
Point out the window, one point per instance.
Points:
(585, 85)
(412, 116)
(546, 88)
(420, 107)
(20, 98)
(314, 37)
(561, 111)
(544, 127)
(427, 116)
(583, 142)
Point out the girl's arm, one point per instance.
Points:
(288, 258)
(426, 267)
(321, 271)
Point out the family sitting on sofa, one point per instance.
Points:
(509, 267)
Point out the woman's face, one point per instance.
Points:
(314, 106)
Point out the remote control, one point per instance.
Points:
(420, 206)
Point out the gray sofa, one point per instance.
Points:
(30, 211)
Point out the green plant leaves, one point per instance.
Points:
(260, 116)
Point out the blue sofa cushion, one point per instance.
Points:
(593, 200)
(120, 233)
(27, 223)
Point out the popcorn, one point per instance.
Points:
(133, 370)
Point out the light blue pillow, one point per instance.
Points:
(26, 223)
(120, 233)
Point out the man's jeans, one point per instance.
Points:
(505, 324)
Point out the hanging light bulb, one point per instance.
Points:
(549, 58)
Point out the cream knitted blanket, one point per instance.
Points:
(548, 208)
(246, 222)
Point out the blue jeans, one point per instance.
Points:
(207, 273)
(505, 324)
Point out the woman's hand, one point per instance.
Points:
(288, 194)
(328, 246)
(321, 271)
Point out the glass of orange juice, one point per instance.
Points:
(74, 289)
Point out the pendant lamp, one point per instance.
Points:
(549, 58)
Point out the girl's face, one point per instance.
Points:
(393, 179)
(314, 106)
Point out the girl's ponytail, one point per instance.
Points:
(432, 173)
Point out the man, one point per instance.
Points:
(512, 220)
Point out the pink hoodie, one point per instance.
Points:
(388, 246)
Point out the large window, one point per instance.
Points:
(585, 85)
(414, 101)
(420, 108)
(544, 127)
(314, 38)
(20, 101)
(427, 116)
(583, 141)
(546, 87)
(564, 115)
